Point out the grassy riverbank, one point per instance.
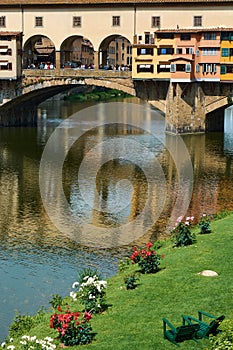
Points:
(133, 319)
(98, 94)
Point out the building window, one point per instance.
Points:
(197, 21)
(197, 68)
(145, 68)
(209, 52)
(210, 36)
(116, 21)
(4, 65)
(209, 68)
(226, 69)
(179, 51)
(165, 36)
(189, 51)
(4, 50)
(2, 21)
(145, 51)
(225, 52)
(165, 68)
(227, 36)
(166, 51)
(38, 21)
(185, 36)
(180, 67)
(155, 21)
(77, 21)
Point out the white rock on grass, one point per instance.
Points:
(208, 273)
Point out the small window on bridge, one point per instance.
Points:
(116, 21)
(2, 21)
(3, 65)
(77, 21)
(38, 21)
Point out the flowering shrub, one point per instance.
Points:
(91, 293)
(204, 224)
(181, 234)
(224, 339)
(73, 328)
(28, 342)
(147, 259)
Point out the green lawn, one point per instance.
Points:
(133, 319)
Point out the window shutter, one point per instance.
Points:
(223, 70)
(188, 68)
(173, 68)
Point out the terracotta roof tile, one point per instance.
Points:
(102, 2)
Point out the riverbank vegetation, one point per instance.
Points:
(131, 318)
(98, 94)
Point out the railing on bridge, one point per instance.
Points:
(73, 73)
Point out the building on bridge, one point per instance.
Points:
(184, 55)
(182, 49)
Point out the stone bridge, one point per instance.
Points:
(188, 107)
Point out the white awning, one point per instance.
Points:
(3, 49)
(3, 63)
(144, 65)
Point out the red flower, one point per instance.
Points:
(162, 256)
(59, 308)
(149, 245)
(87, 315)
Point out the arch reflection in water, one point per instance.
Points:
(100, 151)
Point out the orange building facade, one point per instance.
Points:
(184, 55)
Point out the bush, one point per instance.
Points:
(181, 234)
(73, 328)
(131, 281)
(224, 340)
(56, 301)
(20, 325)
(147, 259)
(204, 224)
(91, 293)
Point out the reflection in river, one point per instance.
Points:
(36, 259)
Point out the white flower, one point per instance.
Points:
(11, 347)
(3, 344)
(23, 342)
(73, 295)
(11, 340)
(75, 284)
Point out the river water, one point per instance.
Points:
(37, 258)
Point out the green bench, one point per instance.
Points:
(205, 328)
(179, 334)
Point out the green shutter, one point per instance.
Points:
(173, 68)
(223, 70)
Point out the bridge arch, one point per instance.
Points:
(38, 48)
(78, 51)
(115, 50)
